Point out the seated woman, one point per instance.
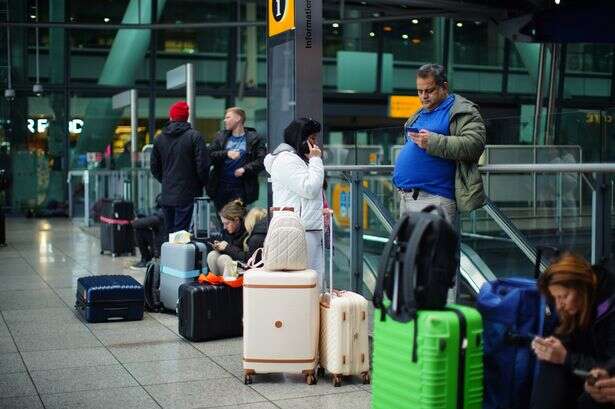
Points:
(242, 235)
(585, 337)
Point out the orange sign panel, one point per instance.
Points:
(281, 16)
(402, 106)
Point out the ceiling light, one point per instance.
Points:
(372, 34)
(107, 19)
(404, 36)
(460, 24)
(416, 41)
(387, 28)
(335, 25)
(32, 16)
(9, 94)
(37, 89)
(557, 2)
(415, 21)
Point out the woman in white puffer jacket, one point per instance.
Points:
(297, 175)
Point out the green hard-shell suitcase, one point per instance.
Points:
(444, 372)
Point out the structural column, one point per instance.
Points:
(294, 64)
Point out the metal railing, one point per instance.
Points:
(593, 174)
(100, 183)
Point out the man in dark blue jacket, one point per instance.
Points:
(180, 162)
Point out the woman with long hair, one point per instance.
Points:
(297, 175)
(585, 338)
(233, 236)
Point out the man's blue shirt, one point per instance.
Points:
(234, 143)
(415, 168)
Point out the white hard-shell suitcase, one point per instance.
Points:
(280, 323)
(344, 344)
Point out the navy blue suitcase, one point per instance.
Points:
(109, 297)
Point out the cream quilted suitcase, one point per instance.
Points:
(344, 345)
(280, 323)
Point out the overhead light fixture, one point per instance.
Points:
(387, 28)
(415, 21)
(33, 17)
(372, 34)
(9, 94)
(335, 25)
(404, 36)
(460, 24)
(106, 19)
(37, 88)
(557, 2)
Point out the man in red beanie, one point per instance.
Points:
(180, 162)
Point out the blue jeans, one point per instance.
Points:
(177, 217)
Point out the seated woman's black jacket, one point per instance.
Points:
(595, 347)
(235, 241)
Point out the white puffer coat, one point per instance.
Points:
(297, 184)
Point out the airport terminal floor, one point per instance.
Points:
(51, 358)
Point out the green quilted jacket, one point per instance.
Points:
(464, 145)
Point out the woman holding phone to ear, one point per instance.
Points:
(584, 296)
(297, 175)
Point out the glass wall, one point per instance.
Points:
(43, 137)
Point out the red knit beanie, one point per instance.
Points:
(179, 111)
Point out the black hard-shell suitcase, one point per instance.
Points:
(116, 233)
(210, 311)
(109, 297)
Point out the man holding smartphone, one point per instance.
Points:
(443, 142)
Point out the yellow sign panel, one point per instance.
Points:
(402, 106)
(281, 16)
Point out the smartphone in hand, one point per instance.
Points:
(589, 378)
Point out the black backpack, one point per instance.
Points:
(151, 287)
(418, 265)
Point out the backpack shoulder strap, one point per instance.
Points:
(409, 272)
(385, 263)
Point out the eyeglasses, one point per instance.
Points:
(427, 91)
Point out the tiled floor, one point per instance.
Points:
(50, 358)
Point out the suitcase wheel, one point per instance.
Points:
(366, 378)
(102, 252)
(321, 371)
(311, 379)
(337, 380)
(113, 255)
(247, 379)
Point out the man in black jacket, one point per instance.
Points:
(237, 154)
(181, 163)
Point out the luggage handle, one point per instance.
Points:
(330, 214)
(196, 214)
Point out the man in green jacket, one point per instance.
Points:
(444, 140)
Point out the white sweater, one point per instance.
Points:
(297, 184)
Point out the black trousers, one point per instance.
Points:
(148, 237)
(226, 193)
(178, 218)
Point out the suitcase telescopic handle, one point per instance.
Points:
(330, 215)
